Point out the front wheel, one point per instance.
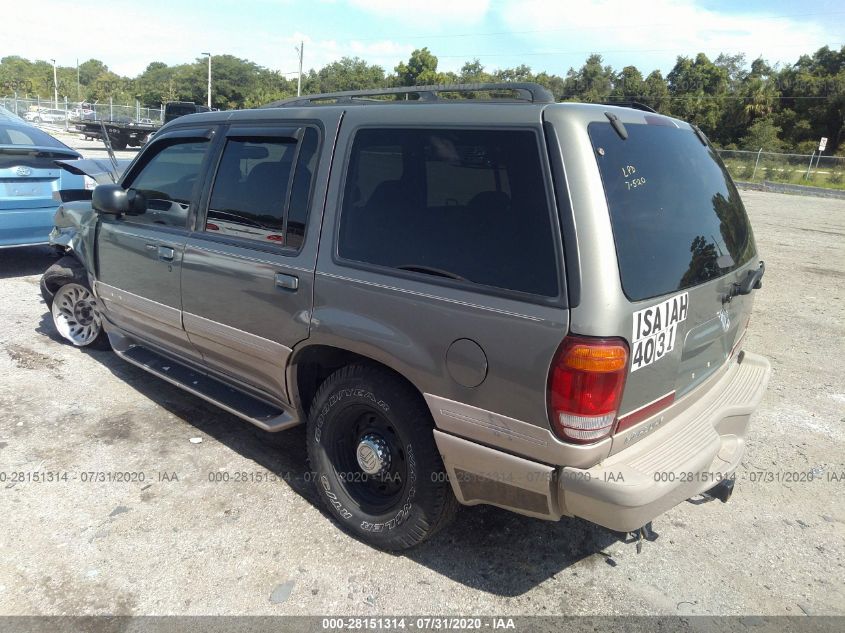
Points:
(73, 307)
(374, 459)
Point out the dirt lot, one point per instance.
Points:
(176, 543)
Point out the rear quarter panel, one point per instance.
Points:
(409, 323)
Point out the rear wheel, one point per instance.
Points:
(374, 459)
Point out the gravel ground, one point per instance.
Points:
(176, 543)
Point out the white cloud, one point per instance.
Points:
(278, 52)
(653, 34)
(427, 13)
(76, 37)
(69, 34)
(546, 34)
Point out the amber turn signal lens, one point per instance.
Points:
(604, 359)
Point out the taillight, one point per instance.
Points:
(585, 387)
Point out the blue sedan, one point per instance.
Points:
(28, 179)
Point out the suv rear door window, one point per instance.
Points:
(678, 220)
(256, 184)
(470, 205)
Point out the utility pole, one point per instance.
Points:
(299, 49)
(55, 86)
(78, 93)
(209, 78)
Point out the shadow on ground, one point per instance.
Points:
(25, 260)
(485, 548)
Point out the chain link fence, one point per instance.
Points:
(45, 111)
(815, 169)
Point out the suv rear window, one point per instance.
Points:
(469, 205)
(678, 220)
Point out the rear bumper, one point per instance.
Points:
(686, 456)
(26, 227)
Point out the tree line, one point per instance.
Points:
(738, 105)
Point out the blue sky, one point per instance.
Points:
(543, 34)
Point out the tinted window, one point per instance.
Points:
(27, 135)
(678, 220)
(166, 183)
(250, 190)
(463, 204)
(300, 194)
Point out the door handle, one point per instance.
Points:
(287, 282)
(166, 253)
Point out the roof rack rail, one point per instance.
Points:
(525, 91)
(634, 105)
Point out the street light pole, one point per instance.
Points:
(55, 86)
(299, 49)
(209, 78)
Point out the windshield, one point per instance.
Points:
(11, 134)
(678, 220)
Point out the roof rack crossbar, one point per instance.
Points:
(525, 91)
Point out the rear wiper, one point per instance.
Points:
(617, 125)
(753, 281)
(429, 270)
(699, 134)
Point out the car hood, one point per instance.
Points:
(100, 169)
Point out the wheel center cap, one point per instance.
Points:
(83, 313)
(373, 454)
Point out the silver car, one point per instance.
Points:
(539, 306)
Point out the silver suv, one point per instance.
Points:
(502, 300)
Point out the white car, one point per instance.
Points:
(46, 116)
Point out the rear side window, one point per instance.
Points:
(248, 199)
(678, 220)
(468, 205)
(258, 194)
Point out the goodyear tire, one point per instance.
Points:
(73, 308)
(374, 460)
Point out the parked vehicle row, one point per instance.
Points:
(46, 115)
(514, 302)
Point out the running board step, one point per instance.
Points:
(259, 413)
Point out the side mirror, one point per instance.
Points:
(110, 199)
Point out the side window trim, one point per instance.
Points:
(251, 132)
(159, 143)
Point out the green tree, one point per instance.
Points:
(592, 82)
(628, 85)
(698, 88)
(473, 72)
(656, 92)
(421, 69)
(349, 73)
(763, 133)
(519, 73)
